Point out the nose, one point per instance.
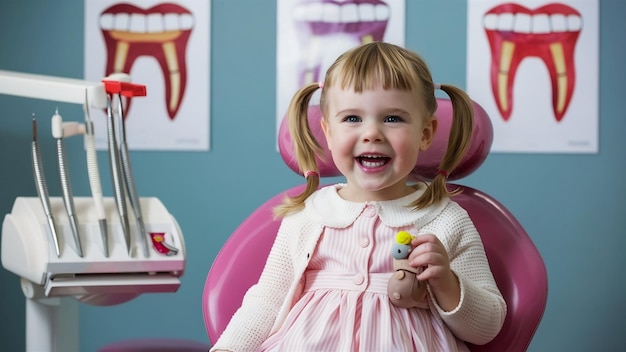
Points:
(372, 132)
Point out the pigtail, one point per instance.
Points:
(306, 147)
(458, 142)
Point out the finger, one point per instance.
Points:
(428, 259)
(425, 238)
(427, 247)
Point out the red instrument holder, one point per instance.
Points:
(126, 89)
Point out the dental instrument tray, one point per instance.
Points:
(28, 250)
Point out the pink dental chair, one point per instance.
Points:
(517, 265)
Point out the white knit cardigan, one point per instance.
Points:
(477, 319)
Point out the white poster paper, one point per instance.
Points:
(533, 66)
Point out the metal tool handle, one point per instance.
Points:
(42, 191)
(68, 198)
(96, 187)
(94, 176)
(134, 197)
(116, 175)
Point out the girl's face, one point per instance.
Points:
(375, 137)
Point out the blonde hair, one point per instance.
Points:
(362, 68)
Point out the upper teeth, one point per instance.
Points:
(151, 23)
(539, 23)
(336, 13)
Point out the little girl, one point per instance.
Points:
(324, 285)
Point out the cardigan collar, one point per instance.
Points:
(329, 209)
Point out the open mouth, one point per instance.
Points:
(360, 21)
(161, 32)
(372, 161)
(549, 33)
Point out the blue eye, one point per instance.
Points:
(393, 118)
(352, 118)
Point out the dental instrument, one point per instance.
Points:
(94, 176)
(131, 91)
(32, 232)
(116, 175)
(42, 189)
(64, 176)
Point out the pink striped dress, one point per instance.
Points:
(344, 306)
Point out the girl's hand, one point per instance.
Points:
(430, 254)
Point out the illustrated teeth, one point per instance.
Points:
(338, 13)
(549, 33)
(161, 32)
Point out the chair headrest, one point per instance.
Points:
(427, 164)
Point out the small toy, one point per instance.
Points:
(403, 288)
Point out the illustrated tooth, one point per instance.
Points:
(366, 12)
(349, 13)
(523, 23)
(186, 22)
(131, 32)
(558, 23)
(154, 23)
(574, 23)
(506, 22)
(171, 22)
(549, 33)
(541, 24)
(121, 21)
(106, 21)
(382, 12)
(331, 13)
(490, 22)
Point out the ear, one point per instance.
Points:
(428, 133)
(326, 130)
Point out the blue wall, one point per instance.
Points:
(571, 205)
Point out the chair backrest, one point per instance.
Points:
(517, 266)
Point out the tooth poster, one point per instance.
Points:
(533, 66)
(164, 46)
(313, 33)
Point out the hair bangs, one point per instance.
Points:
(370, 66)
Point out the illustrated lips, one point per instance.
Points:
(549, 33)
(362, 20)
(161, 32)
